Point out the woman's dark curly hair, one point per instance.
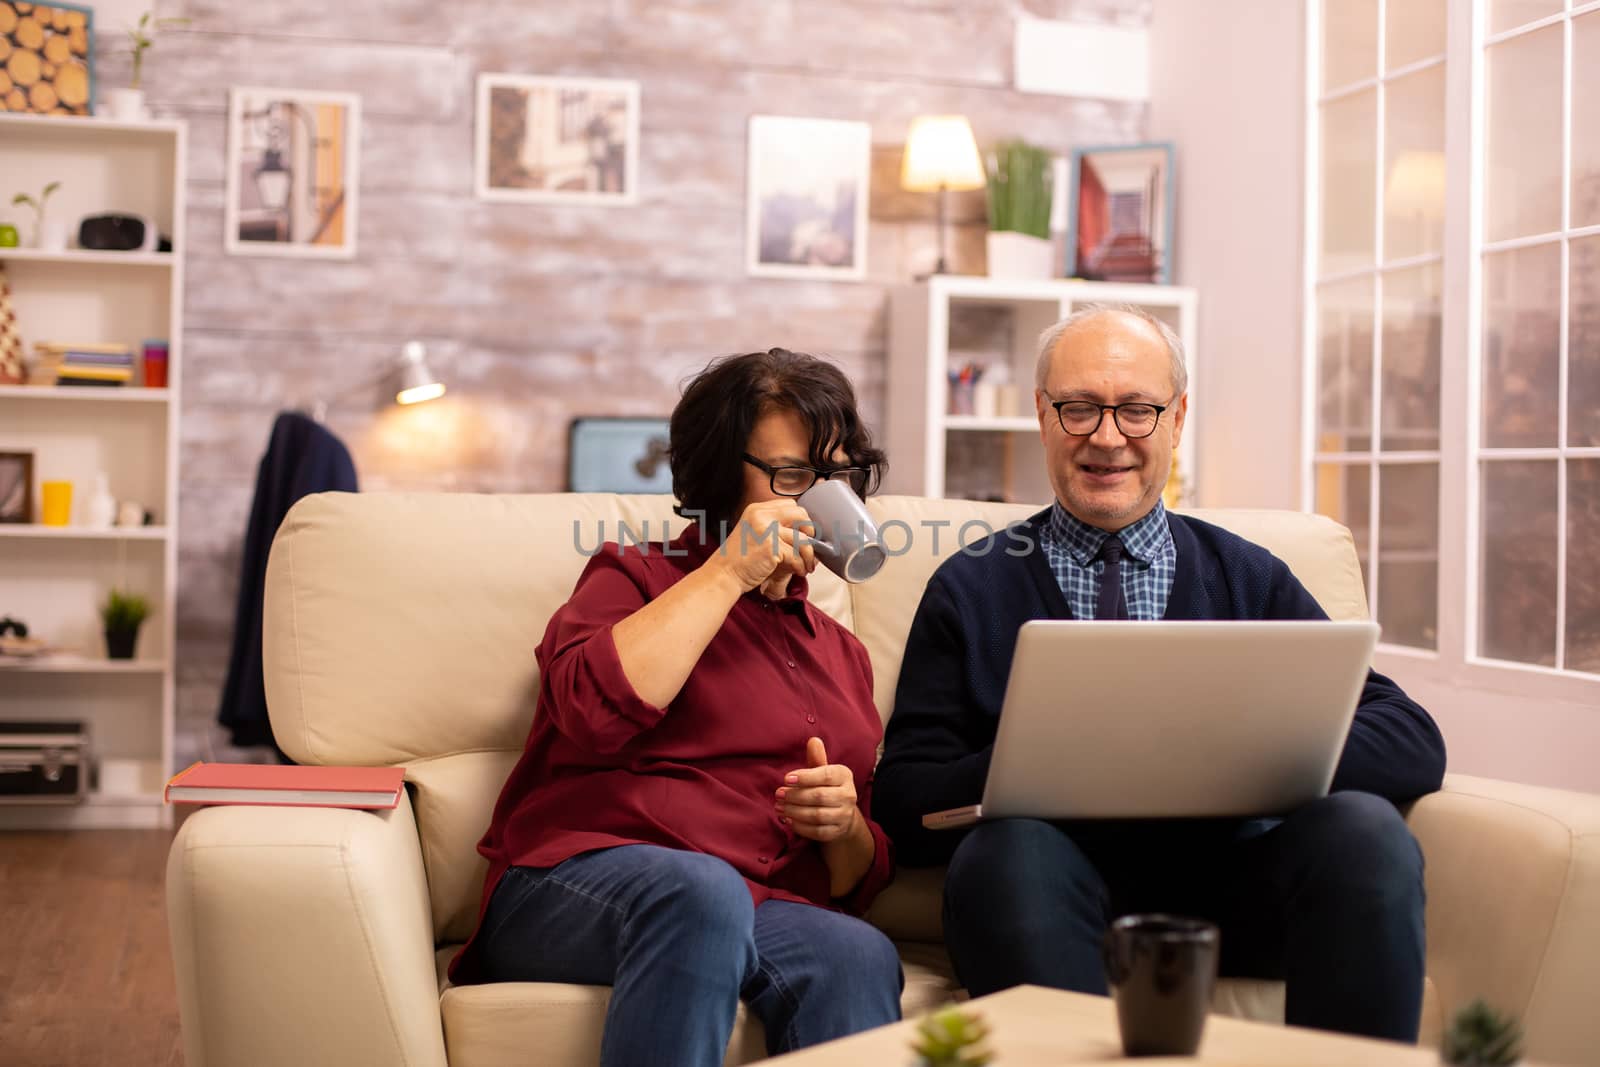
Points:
(720, 406)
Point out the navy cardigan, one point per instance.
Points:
(958, 657)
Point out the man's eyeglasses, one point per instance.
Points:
(1080, 418)
(792, 481)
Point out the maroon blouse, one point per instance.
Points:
(602, 767)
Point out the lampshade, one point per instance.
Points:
(941, 153)
(417, 383)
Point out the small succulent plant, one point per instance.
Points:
(1481, 1037)
(952, 1038)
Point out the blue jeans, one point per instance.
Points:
(677, 937)
(1329, 898)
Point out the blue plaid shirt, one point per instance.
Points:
(1070, 547)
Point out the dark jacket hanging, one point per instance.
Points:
(302, 458)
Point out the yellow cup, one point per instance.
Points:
(57, 503)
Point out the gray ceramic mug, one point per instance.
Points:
(846, 539)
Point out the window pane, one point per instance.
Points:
(1349, 41)
(1413, 186)
(1408, 553)
(1509, 14)
(1415, 31)
(1523, 154)
(1411, 324)
(1349, 164)
(1583, 343)
(1343, 496)
(1586, 120)
(1518, 575)
(1583, 577)
(1344, 366)
(1521, 346)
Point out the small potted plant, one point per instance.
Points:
(128, 104)
(1479, 1036)
(121, 614)
(952, 1038)
(1021, 179)
(47, 237)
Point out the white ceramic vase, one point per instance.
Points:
(51, 236)
(1020, 257)
(126, 105)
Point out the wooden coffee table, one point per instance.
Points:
(1031, 1025)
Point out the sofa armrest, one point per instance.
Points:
(302, 936)
(1513, 880)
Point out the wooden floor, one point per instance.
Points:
(85, 968)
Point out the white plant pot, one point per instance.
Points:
(52, 237)
(1020, 257)
(126, 105)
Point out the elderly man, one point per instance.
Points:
(1329, 898)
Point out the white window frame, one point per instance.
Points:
(1374, 458)
(1456, 661)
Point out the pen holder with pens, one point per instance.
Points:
(963, 390)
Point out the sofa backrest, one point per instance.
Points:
(400, 628)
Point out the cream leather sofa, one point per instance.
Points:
(400, 629)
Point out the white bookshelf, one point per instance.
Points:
(77, 257)
(75, 394)
(927, 443)
(55, 577)
(72, 663)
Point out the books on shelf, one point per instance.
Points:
(280, 784)
(60, 363)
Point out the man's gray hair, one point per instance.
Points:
(1052, 335)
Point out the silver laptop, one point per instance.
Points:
(1171, 719)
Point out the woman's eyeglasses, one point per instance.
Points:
(792, 481)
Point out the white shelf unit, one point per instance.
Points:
(78, 394)
(928, 445)
(55, 577)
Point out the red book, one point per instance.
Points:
(259, 783)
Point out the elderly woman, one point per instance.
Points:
(690, 821)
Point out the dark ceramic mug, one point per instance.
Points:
(1162, 970)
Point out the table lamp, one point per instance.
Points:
(417, 382)
(941, 155)
(409, 374)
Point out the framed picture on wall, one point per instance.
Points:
(806, 209)
(545, 139)
(48, 53)
(293, 173)
(1119, 226)
(618, 454)
(16, 487)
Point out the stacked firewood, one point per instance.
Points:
(44, 54)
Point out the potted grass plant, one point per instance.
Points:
(1020, 184)
(121, 615)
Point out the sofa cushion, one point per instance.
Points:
(919, 533)
(497, 1025)
(453, 797)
